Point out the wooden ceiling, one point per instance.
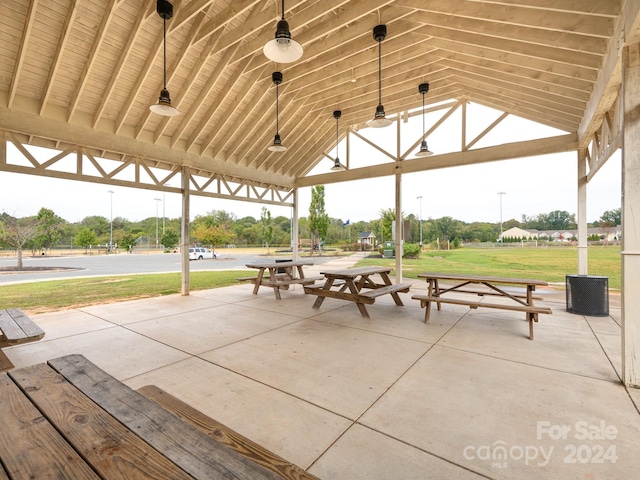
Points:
(84, 72)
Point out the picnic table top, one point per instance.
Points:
(289, 263)
(481, 278)
(354, 272)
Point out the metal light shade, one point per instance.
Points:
(163, 107)
(277, 145)
(424, 150)
(282, 48)
(337, 166)
(379, 120)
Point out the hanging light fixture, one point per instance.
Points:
(423, 88)
(163, 107)
(337, 166)
(277, 143)
(282, 48)
(379, 119)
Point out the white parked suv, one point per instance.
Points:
(199, 253)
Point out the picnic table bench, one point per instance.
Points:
(15, 328)
(358, 286)
(279, 275)
(517, 302)
(68, 419)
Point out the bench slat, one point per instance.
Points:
(30, 444)
(225, 435)
(376, 292)
(481, 293)
(474, 304)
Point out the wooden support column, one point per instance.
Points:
(184, 227)
(631, 216)
(582, 212)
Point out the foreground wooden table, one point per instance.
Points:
(68, 419)
(460, 283)
(269, 276)
(357, 285)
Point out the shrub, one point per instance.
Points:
(411, 250)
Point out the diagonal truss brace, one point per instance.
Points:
(135, 172)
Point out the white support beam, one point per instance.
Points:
(630, 217)
(544, 146)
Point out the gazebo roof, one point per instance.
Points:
(83, 73)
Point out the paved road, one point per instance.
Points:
(125, 264)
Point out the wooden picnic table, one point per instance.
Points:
(279, 275)
(68, 419)
(495, 287)
(357, 285)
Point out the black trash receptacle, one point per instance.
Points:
(281, 260)
(588, 295)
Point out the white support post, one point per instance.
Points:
(582, 212)
(294, 225)
(630, 221)
(184, 236)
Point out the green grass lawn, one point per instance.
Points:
(39, 297)
(550, 264)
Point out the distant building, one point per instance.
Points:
(608, 234)
(366, 238)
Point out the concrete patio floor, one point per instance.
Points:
(466, 396)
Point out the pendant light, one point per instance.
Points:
(379, 119)
(337, 166)
(282, 48)
(163, 107)
(277, 143)
(423, 88)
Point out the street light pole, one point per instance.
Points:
(501, 194)
(157, 200)
(420, 220)
(111, 221)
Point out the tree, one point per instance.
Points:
(318, 219)
(560, 220)
(50, 229)
(611, 218)
(212, 235)
(128, 241)
(170, 239)
(387, 217)
(85, 238)
(17, 232)
(267, 228)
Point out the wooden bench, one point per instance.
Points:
(379, 291)
(16, 328)
(225, 435)
(530, 311)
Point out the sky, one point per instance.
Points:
(470, 193)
